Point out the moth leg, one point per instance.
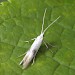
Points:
(22, 54)
(29, 40)
(51, 45)
(26, 41)
(33, 39)
(45, 44)
(51, 51)
(21, 62)
(33, 60)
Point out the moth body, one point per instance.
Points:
(37, 43)
(31, 53)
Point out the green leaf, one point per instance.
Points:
(21, 20)
(2, 0)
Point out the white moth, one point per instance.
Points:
(31, 53)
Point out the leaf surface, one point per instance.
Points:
(21, 20)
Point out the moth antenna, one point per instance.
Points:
(51, 24)
(43, 20)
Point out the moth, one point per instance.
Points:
(31, 53)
